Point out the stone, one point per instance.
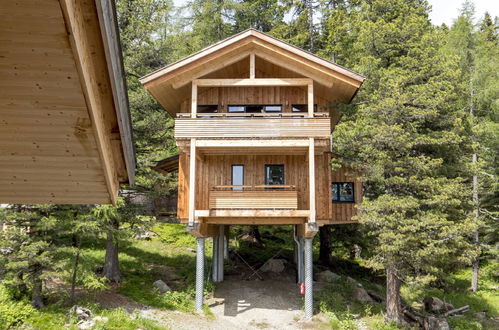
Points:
(361, 295)
(480, 315)
(161, 286)
(436, 305)
(435, 323)
(81, 313)
(327, 276)
(274, 265)
(354, 282)
(102, 319)
(86, 324)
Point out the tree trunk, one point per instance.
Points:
(325, 249)
(476, 236)
(74, 275)
(111, 269)
(393, 310)
(36, 293)
(255, 233)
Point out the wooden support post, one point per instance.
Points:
(194, 99)
(311, 179)
(252, 66)
(310, 100)
(192, 183)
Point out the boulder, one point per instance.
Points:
(161, 286)
(435, 323)
(274, 265)
(86, 324)
(81, 313)
(436, 305)
(361, 295)
(327, 276)
(353, 282)
(480, 315)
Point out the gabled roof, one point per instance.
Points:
(170, 84)
(65, 134)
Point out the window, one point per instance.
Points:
(207, 108)
(302, 107)
(237, 176)
(254, 108)
(343, 192)
(274, 174)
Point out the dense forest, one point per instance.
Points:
(423, 132)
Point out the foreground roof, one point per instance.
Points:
(65, 134)
(171, 85)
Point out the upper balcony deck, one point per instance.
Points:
(252, 125)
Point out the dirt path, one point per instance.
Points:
(269, 304)
(237, 304)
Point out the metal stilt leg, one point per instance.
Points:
(220, 253)
(215, 258)
(309, 282)
(199, 274)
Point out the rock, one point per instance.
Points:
(480, 315)
(191, 250)
(81, 313)
(353, 282)
(102, 319)
(361, 295)
(435, 305)
(435, 323)
(161, 286)
(86, 324)
(274, 265)
(327, 276)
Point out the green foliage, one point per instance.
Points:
(13, 313)
(175, 235)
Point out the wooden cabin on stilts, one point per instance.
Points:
(253, 122)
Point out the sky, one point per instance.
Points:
(444, 11)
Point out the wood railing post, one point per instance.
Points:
(311, 178)
(194, 99)
(192, 182)
(310, 100)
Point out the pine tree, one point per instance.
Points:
(407, 141)
(262, 15)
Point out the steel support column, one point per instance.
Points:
(309, 281)
(199, 273)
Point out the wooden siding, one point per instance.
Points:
(215, 170)
(224, 96)
(253, 199)
(252, 128)
(343, 212)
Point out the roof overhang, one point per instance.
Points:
(65, 135)
(171, 84)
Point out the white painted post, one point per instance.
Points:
(194, 99)
(192, 182)
(311, 179)
(310, 100)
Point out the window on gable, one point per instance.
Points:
(343, 192)
(302, 107)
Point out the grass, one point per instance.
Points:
(145, 261)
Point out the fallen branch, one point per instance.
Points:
(456, 311)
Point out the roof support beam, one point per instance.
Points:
(251, 143)
(252, 66)
(93, 81)
(264, 82)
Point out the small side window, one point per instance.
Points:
(302, 107)
(274, 174)
(343, 192)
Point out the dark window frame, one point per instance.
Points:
(263, 108)
(338, 192)
(283, 174)
(200, 106)
(232, 176)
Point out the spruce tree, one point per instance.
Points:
(407, 140)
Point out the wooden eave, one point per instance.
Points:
(65, 135)
(167, 165)
(171, 84)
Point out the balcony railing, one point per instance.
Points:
(253, 125)
(264, 197)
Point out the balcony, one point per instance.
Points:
(253, 197)
(253, 125)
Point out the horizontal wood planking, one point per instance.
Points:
(253, 199)
(252, 128)
(264, 82)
